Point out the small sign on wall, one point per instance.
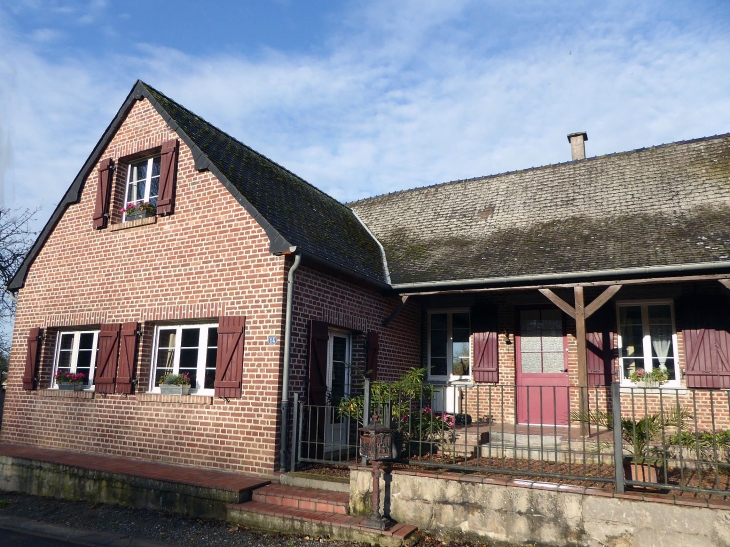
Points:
(273, 340)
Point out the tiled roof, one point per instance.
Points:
(303, 215)
(660, 206)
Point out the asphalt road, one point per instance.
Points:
(11, 538)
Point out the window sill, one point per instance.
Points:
(175, 399)
(629, 389)
(133, 223)
(54, 392)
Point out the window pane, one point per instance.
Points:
(156, 167)
(210, 358)
(67, 341)
(339, 349)
(438, 366)
(632, 332)
(460, 363)
(83, 360)
(87, 340)
(630, 365)
(190, 338)
(438, 343)
(660, 333)
(553, 362)
(438, 321)
(139, 171)
(460, 321)
(165, 353)
(530, 331)
(531, 362)
(64, 360)
(188, 358)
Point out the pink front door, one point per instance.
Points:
(542, 367)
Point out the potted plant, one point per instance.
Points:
(174, 384)
(642, 438)
(135, 211)
(66, 381)
(655, 378)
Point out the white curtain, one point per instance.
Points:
(661, 339)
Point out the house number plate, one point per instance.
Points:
(273, 340)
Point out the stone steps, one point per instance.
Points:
(321, 501)
(317, 513)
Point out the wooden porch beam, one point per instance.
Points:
(559, 302)
(604, 297)
(580, 338)
(396, 311)
(725, 283)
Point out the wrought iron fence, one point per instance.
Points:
(650, 437)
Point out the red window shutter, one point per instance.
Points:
(103, 194)
(484, 323)
(600, 354)
(372, 348)
(229, 361)
(31, 359)
(318, 341)
(127, 357)
(168, 177)
(706, 344)
(106, 358)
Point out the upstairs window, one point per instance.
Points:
(76, 353)
(143, 183)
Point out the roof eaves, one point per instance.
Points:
(519, 280)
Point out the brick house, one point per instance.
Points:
(258, 285)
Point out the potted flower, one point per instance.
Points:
(67, 381)
(174, 384)
(655, 378)
(135, 211)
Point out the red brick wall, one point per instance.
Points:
(355, 307)
(207, 259)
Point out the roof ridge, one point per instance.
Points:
(528, 169)
(149, 87)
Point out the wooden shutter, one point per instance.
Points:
(484, 323)
(127, 357)
(31, 359)
(168, 177)
(229, 361)
(372, 348)
(103, 194)
(106, 358)
(600, 354)
(318, 341)
(706, 344)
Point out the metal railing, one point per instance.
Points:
(660, 438)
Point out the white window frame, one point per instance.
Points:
(330, 358)
(646, 340)
(202, 354)
(449, 376)
(75, 355)
(148, 182)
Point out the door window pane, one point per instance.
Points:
(439, 344)
(541, 341)
(339, 368)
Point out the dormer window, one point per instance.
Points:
(143, 183)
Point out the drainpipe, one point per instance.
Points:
(287, 350)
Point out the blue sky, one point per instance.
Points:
(362, 98)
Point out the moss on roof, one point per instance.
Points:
(307, 217)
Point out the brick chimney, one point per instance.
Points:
(577, 145)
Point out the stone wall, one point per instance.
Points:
(542, 513)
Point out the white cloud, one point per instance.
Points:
(406, 94)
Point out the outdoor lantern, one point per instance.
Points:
(376, 444)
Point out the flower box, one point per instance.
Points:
(174, 390)
(67, 386)
(136, 215)
(642, 472)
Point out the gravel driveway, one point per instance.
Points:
(169, 528)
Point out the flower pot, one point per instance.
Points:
(67, 386)
(137, 215)
(167, 389)
(641, 472)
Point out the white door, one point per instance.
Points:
(337, 428)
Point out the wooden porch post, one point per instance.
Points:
(580, 336)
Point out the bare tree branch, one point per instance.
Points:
(16, 239)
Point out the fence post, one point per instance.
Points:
(618, 445)
(365, 412)
(294, 436)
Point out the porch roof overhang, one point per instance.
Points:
(653, 274)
